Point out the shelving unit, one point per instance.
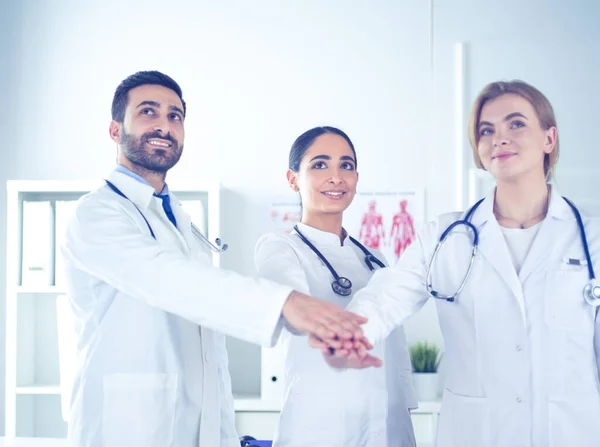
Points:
(33, 392)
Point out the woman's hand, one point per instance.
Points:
(352, 354)
(324, 320)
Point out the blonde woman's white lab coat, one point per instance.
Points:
(521, 350)
(323, 406)
(149, 314)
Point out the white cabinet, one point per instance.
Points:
(33, 399)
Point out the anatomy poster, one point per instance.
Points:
(282, 213)
(385, 221)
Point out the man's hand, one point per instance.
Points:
(322, 319)
(351, 355)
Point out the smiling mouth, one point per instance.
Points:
(334, 194)
(159, 143)
(503, 156)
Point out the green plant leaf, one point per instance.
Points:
(425, 358)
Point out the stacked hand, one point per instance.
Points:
(333, 330)
(350, 355)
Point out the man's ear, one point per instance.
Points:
(115, 131)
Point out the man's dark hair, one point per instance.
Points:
(121, 97)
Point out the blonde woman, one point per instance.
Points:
(522, 336)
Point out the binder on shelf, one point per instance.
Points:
(37, 244)
(63, 212)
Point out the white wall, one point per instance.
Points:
(551, 44)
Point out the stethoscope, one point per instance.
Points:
(591, 291)
(218, 248)
(342, 285)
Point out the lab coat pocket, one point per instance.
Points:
(565, 307)
(139, 410)
(574, 422)
(464, 421)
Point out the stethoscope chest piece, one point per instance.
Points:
(591, 293)
(342, 286)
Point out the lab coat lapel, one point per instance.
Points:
(142, 196)
(557, 221)
(494, 250)
(184, 223)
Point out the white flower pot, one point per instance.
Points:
(426, 386)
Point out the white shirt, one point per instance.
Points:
(521, 350)
(323, 406)
(151, 362)
(519, 242)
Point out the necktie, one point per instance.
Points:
(166, 203)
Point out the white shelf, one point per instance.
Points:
(51, 186)
(33, 442)
(250, 404)
(38, 389)
(49, 290)
(428, 408)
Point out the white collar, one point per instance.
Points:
(558, 208)
(139, 193)
(321, 237)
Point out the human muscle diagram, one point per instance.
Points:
(385, 221)
(402, 232)
(372, 232)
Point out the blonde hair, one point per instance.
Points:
(540, 103)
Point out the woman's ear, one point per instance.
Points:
(292, 178)
(551, 137)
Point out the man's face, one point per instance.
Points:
(151, 135)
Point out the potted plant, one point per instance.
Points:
(425, 359)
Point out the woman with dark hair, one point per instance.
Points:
(324, 406)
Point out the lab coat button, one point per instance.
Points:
(519, 400)
(519, 348)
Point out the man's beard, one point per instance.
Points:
(159, 160)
